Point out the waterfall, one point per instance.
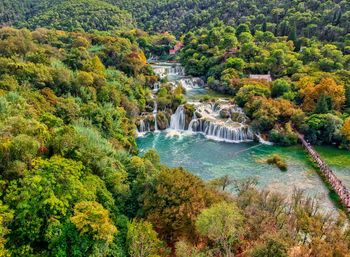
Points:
(213, 128)
(193, 121)
(236, 133)
(156, 86)
(142, 127)
(178, 119)
(155, 110)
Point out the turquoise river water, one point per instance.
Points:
(211, 159)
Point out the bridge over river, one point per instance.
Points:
(336, 184)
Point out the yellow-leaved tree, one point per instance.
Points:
(91, 218)
(328, 87)
(346, 130)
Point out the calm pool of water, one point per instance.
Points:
(210, 159)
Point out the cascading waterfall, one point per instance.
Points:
(163, 71)
(236, 133)
(219, 121)
(143, 128)
(210, 126)
(178, 119)
(155, 110)
(194, 120)
(188, 83)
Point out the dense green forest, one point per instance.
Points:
(85, 15)
(326, 20)
(73, 186)
(73, 80)
(311, 86)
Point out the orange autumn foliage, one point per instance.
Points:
(327, 87)
(346, 129)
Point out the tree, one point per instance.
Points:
(242, 28)
(347, 96)
(235, 63)
(324, 128)
(346, 129)
(85, 79)
(273, 246)
(328, 87)
(174, 201)
(142, 240)
(95, 65)
(246, 92)
(91, 218)
(279, 87)
(322, 106)
(6, 216)
(264, 26)
(293, 37)
(223, 181)
(222, 223)
(43, 198)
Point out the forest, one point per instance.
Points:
(74, 78)
(325, 20)
(310, 89)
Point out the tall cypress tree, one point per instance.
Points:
(347, 95)
(264, 26)
(322, 106)
(329, 103)
(293, 37)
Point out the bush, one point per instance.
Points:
(277, 161)
(283, 136)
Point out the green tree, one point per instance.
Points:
(273, 246)
(91, 218)
(246, 92)
(279, 87)
(321, 106)
(293, 37)
(242, 28)
(142, 240)
(43, 198)
(347, 95)
(175, 200)
(235, 63)
(222, 223)
(6, 216)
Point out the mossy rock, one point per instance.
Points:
(225, 113)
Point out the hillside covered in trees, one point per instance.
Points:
(72, 184)
(325, 20)
(73, 15)
(74, 78)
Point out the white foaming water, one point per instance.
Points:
(214, 127)
(188, 83)
(178, 119)
(155, 111)
(208, 122)
(165, 70)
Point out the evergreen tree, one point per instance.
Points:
(329, 103)
(264, 26)
(293, 37)
(347, 95)
(322, 106)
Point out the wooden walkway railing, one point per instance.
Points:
(336, 184)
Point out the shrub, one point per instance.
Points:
(277, 161)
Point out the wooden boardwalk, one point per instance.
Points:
(336, 184)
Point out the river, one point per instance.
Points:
(210, 157)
